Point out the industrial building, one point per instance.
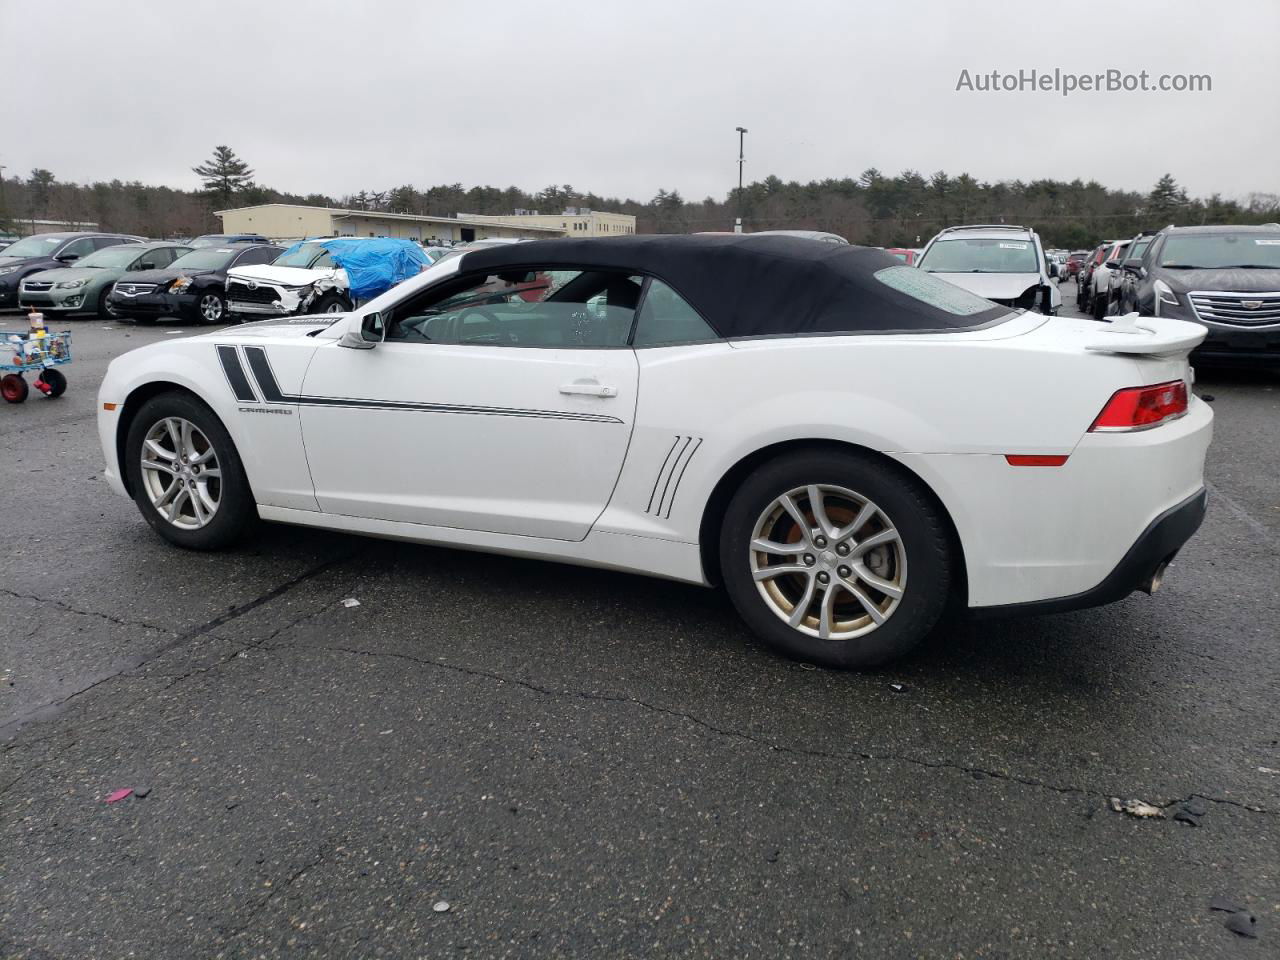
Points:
(573, 222)
(284, 221)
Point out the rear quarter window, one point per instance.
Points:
(933, 291)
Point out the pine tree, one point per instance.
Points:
(1166, 200)
(41, 183)
(223, 175)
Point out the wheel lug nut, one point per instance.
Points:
(824, 577)
(844, 572)
(810, 559)
(842, 549)
(819, 541)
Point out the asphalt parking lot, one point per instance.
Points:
(582, 763)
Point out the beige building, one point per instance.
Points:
(291, 221)
(574, 222)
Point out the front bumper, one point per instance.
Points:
(258, 309)
(154, 305)
(1158, 544)
(67, 301)
(1239, 344)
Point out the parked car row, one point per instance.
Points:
(210, 279)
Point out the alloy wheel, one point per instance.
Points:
(828, 562)
(211, 308)
(181, 473)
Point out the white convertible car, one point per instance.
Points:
(846, 443)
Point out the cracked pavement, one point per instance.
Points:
(583, 763)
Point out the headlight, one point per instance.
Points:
(4, 270)
(71, 284)
(1164, 296)
(180, 284)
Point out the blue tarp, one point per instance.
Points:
(373, 264)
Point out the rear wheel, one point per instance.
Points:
(815, 552)
(13, 388)
(186, 475)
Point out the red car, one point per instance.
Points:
(1075, 262)
(904, 254)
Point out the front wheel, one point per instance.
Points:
(186, 475)
(815, 552)
(106, 309)
(330, 303)
(211, 308)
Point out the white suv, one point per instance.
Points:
(1004, 263)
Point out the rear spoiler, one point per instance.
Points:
(1149, 336)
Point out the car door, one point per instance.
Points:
(498, 403)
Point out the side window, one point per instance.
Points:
(101, 242)
(161, 257)
(564, 308)
(77, 249)
(667, 318)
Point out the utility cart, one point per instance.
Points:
(33, 351)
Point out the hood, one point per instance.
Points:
(993, 286)
(1235, 280)
(274, 328)
(10, 261)
(61, 274)
(164, 276)
(284, 276)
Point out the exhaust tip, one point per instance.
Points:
(1152, 583)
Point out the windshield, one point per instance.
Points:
(118, 256)
(973, 255)
(210, 258)
(1208, 251)
(36, 246)
(301, 257)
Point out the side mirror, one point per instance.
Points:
(68, 258)
(1053, 269)
(1134, 267)
(145, 265)
(1112, 264)
(372, 331)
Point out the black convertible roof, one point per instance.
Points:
(748, 286)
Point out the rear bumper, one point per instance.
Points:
(1157, 545)
(1041, 534)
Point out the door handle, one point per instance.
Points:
(588, 388)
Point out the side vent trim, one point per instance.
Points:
(667, 483)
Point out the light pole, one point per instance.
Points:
(742, 133)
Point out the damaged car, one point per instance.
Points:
(327, 275)
(1000, 262)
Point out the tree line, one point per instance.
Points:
(872, 208)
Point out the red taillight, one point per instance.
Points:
(1137, 408)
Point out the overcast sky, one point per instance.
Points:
(624, 97)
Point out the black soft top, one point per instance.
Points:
(752, 286)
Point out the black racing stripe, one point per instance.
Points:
(261, 367)
(257, 358)
(235, 374)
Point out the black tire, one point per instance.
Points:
(236, 513)
(330, 303)
(105, 310)
(56, 382)
(900, 497)
(1098, 306)
(207, 302)
(13, 388)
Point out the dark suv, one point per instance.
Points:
(48, 251)
(1226, 278)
